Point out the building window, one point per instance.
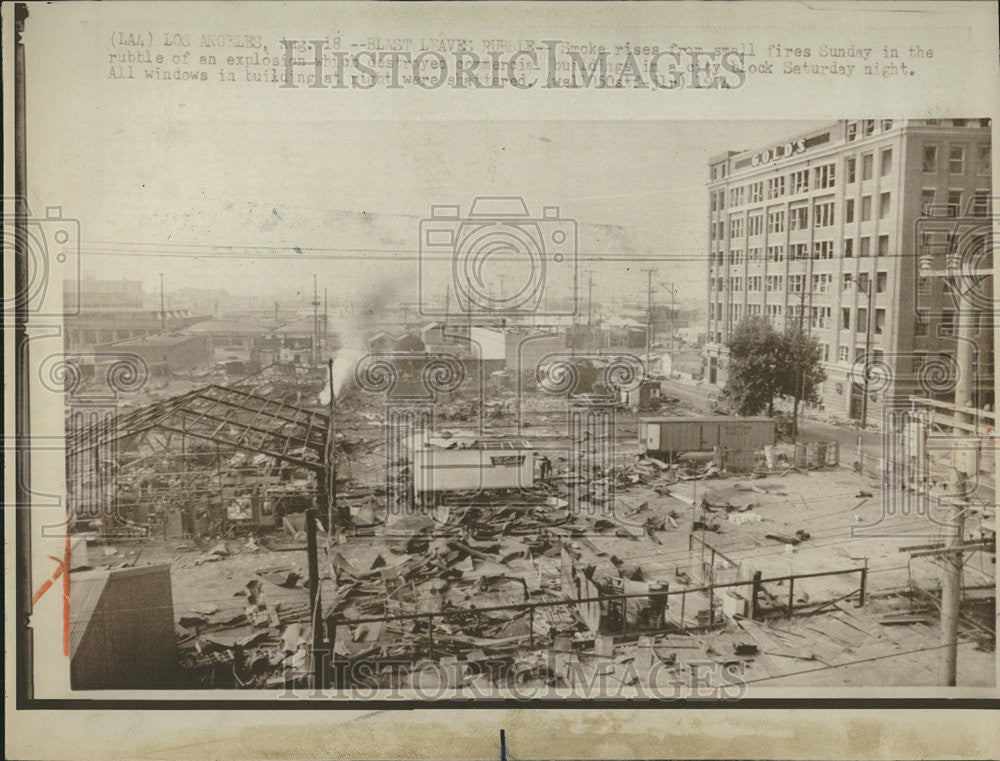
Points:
(881, 282)
(755, 224)
(851, 170)
(800, 181)
(756, 192)
(879, 321)
(826, 352)
(795, 283)
(776, 253)
(821, 283)
(849, 248)
(884, 200)
(984, 165)
(867, 164)
(886, 164)
(798, 218)
(886, 125)
(883, 246)
(866, 208)
(845, 353)
(775, 283)
(861, 324)
(736, 228)
(923, 286)
(753, 254)
(824, 176)
(736, 196)
(852, 131)
(820, 317)
(845, 318)
(776, 221)
(849, 211)
(776, 187)
(866, 249)
(954, 203)
(926, 201)
(823, 249)
(868, 127)
(947, 323)
(798, 251)
(823, 214)
(930, 159)
(956, 160)
(980, 203)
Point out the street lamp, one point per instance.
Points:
(868, 290)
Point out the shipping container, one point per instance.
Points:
(670, 436)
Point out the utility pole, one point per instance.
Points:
(951, 594)
(672, 289)
(870, 292)
(163, 311)
(951, 586)
(315, 603)
(590, 298)
(326, 321)
(315, 306)
(649, 315)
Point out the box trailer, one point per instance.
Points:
(473, 463)
(668, 437)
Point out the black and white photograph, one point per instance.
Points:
(331, 385)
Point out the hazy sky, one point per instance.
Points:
(158, 168)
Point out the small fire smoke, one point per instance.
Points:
(352, 325)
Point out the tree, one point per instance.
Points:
(765, 364)
(755, 365)
(803, 373)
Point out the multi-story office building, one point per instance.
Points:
(801, 229)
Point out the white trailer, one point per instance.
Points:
(470, 463)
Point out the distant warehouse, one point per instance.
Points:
(164, 352)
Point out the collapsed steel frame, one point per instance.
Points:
(230, 418)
